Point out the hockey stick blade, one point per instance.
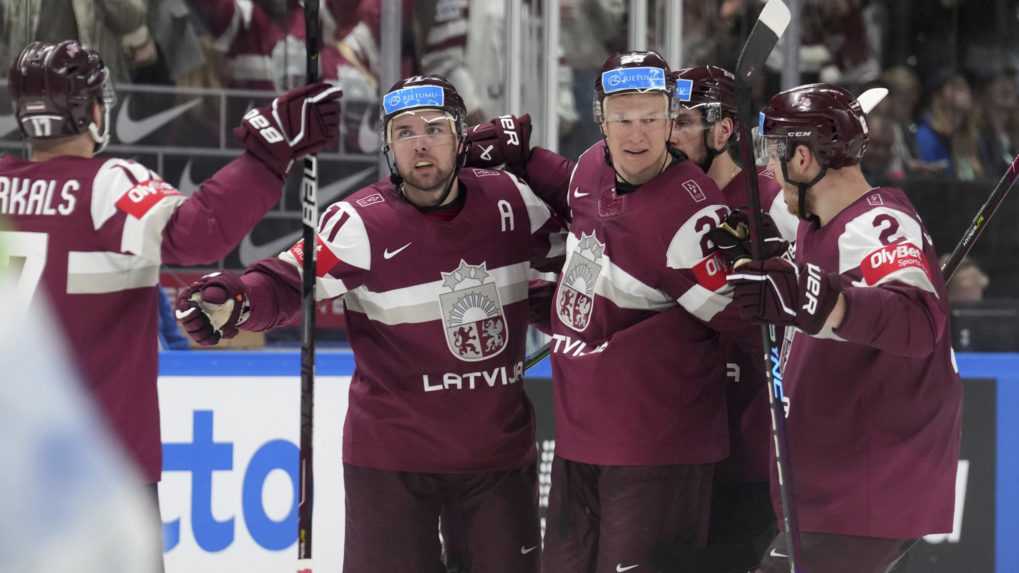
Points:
(980, 220)
(770, 26)
(870, 98)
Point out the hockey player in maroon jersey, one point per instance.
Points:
(639, 377)
(742, 520)
(874, 394)
(433, 265)
(92, 231)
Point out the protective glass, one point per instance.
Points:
(773, 147)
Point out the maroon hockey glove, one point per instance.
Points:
(767, 291)
(732, 238)
(300, 122)
(213, 307)
(503, 141)
(819, 291)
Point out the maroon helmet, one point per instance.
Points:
(53, 87)
(631, 72)
(825, 118)
(424, 92)
(708, 88)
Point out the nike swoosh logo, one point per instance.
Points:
(187, 185)
(367, 137)
(526, 550)
(775, 553)
(8, 123)
(388, 255)
(578, 194)
(250, 252)
(620, 568)
(130, 131)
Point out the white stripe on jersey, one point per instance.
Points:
(95, 272)
(703, 303)
(420, 303)
(685, 247)
(786, 222)
(863, 236)
(326, 287)
(351, 244)
(144, 236)
(110, 184)
(620, 287)
(537, 211)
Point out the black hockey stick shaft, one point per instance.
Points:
(309, 223)
(980, 221)
(762, 39)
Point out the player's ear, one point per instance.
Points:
(725, 132)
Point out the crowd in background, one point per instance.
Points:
(951, 111)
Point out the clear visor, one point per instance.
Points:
(772, 148)
(414, 127)
(648, 120)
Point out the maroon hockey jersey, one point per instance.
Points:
(746, 393)
(91, 234)
(436, 313)
(639, 377)
(875, 406)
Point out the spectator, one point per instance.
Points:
(116, 28)
(999, 122)
(969, 282)
(946, 138)
(899, 107)
(879, 162)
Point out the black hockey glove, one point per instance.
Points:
(732, 238)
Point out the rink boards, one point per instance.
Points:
(230, 433)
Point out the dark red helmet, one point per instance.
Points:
(424, 92)
(631, 72)
(709, 88)
(826, 118)
(53, 87)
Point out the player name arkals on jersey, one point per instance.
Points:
(25, 196)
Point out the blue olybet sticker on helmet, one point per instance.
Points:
(412, 97)
(633, 79)
(760, 122)
(684, 89)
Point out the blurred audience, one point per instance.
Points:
(969, 282)
(117, 28)
(998, 127)
(879, 163)
(946, 136)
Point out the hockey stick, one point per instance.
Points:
(983, 216)
(309, 222)
(762, 39)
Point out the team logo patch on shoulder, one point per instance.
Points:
(575, 296)
(485, 173)
(695, 191)
(891, 258)
(143, 196)
(369, 200)
(875, 200)
(472, 315)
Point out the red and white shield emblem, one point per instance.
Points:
(472, 314)
(575, 297)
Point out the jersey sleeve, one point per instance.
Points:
(131, 207)
(892, 303)
(343, 259)
(695, 275)
(786, 222)
(549, 175)
(548, 234)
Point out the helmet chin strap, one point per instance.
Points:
(801, 195)
(710, 153)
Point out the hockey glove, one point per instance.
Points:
(503, 141)
(213, 307)
(732, 238)
(300, 122)
(776, 291)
